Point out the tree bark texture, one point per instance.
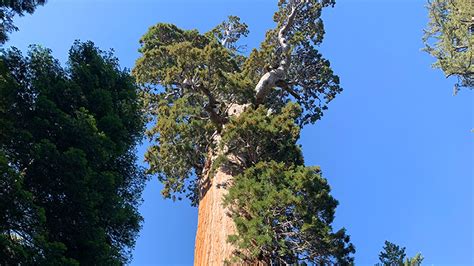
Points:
(214, 223)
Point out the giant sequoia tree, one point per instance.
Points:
(225, 130)
(69, 185)
(450, 39)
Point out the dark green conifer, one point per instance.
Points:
(69, 187)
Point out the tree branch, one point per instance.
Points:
(269, 79)
(285, 86)
(211, 107)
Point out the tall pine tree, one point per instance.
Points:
(69, 187)
(225, 127)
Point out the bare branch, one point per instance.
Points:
(269, 79)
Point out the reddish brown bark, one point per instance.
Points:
(214, 225)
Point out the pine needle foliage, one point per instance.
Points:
(394, 255)
(450, 39)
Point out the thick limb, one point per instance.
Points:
(270, 79)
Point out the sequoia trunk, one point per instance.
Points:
(214, 225)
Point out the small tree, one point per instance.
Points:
(394, 255)
(450, 39)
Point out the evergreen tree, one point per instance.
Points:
(217, 111)
(450, 39)
(69, 187)
(11, 8)
(394, 255)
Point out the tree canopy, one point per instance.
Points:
(69, 186)
(450, 39)
(191, 82)
(11, 8)
(214, 107)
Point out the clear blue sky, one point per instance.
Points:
(395, 146)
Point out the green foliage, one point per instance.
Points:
(190, 80)
(283, 211)
(70, 187)
(415, 261)
(182, 145)
(184, 124)
(11, 8)
(228, 33)
(310, 77)
(192, 86)
(257, 136)
(450, 39)
(394, 255)
(283, 214)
